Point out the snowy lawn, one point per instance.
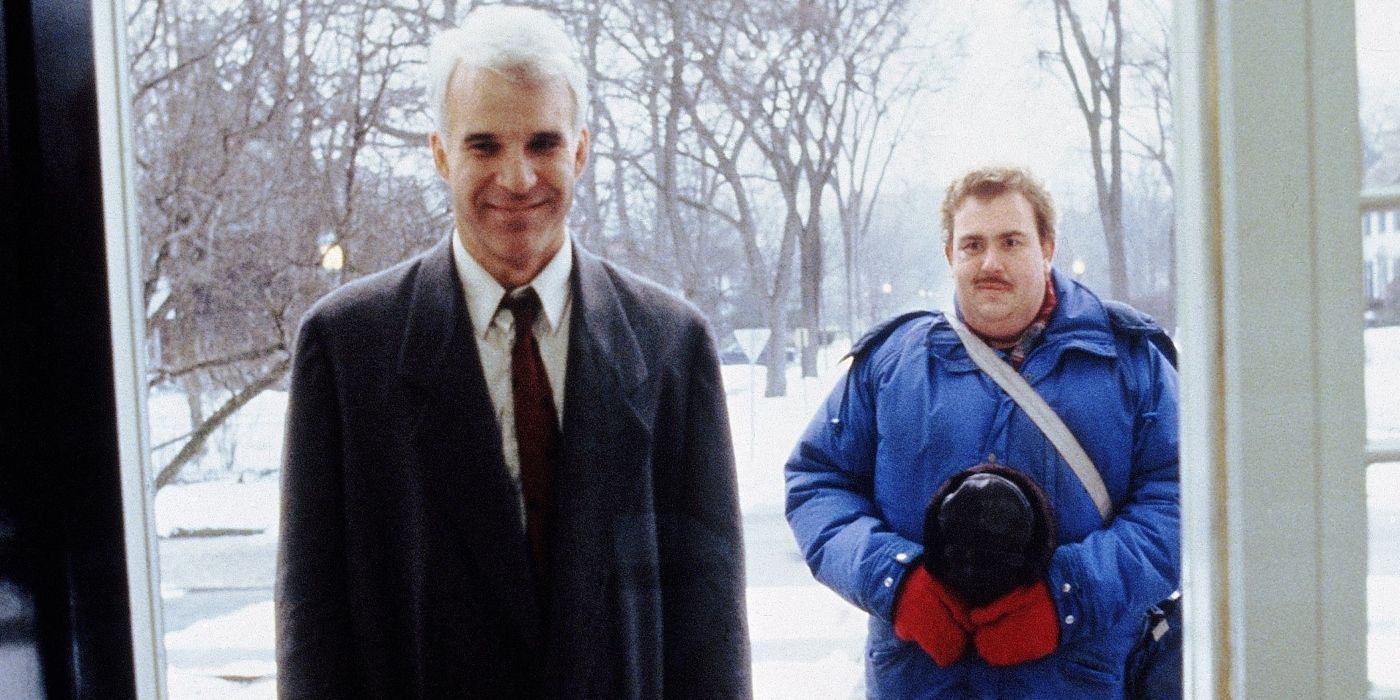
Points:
(806, 641)
(1383, 384)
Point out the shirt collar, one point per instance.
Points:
(483, 293)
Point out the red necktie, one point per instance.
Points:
(536, 430)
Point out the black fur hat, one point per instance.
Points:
(988, 530)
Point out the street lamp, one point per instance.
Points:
(332, 257)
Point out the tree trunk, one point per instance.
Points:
(668, 204)
(1111, 215)
(194, 403)
(777, 349)
(811, 284)
(1101, 83)
(848, 255)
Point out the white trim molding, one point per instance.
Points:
(128, 344)
(1270, 297)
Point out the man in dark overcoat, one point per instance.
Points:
(508, 468)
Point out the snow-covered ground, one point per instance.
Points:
(1383, 513)
(806, 641)
(218, 610)
(1383, 384)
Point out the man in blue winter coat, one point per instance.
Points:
(915, 411)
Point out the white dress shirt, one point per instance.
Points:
(495, 332)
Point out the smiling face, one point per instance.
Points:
(511, 156)
(999, 264)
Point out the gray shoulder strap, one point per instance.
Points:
(1040, 412)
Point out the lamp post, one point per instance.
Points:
(332, 257)
(333, 260)
(886, 289)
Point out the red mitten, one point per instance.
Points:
(1018, 627)
(928, 613)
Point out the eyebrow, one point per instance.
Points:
(999, 234)
(490, 136)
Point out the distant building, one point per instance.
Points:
(1380, 235)
(1380, 231)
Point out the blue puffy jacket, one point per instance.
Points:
(915, 410)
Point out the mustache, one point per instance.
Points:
(993, 279)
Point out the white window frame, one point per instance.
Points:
(1271, 293)
(128, 344)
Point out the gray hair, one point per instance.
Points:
(517, 41)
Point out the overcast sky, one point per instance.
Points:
(1378, 49)
(1004, 107)
(1378, 62)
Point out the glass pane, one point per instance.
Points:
(1378, 74)
(280, 147)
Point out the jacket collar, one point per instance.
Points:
(483, 293)
(601, 321)
(1079, 322)
(1079, 313)
(437, 311)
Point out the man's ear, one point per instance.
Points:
(581, 155)
(1047, 248)
(439, 155)
(948, 252)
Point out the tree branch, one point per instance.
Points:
(205, 430)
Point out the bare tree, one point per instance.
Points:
(876, 124)
(820, 80)
(1119, 70)
(272, 137)
(1092, 60)
(1149, 71)
(257, 150)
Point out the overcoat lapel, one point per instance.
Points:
(463, 475)
(604, 432)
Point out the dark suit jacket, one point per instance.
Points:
(402, 565)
